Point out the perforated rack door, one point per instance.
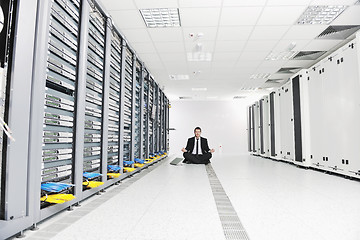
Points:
(137, 110)
(128, 99)
(57, 152)
(94, 92)
(114, 100)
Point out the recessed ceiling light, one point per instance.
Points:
(321, 14)
(161, 17)
(179, 77)
(273, 56)
(239, 97)
(199, 56)
(199, 89)
(260, 75)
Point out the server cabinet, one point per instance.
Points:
(256, 121)
(272, 135)
(277, 124)
(348, 76)
(137, 110)
(286, 123)
(297, 119)
(114, 130)
(249, 128)
(264, 126)
(146, 115)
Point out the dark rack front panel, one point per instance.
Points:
(128, 104)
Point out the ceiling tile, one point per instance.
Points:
(322, 45)
(126, 19)
(206, 33)
(172, 57)
(229, 46)
(193, 17)
(227, 57)
(226, 33)
(258, 45)
(200, 3)
(304, 31)
(136, 35)
(284, 45)
(288, 3)
(237, 16)
(165, 34)
(253, 56)
(156, 4)
(144, 47)
(169, 47)
(333, 2)
(207, 46)
(234, 3)
(268, 32)
(285, 15)
(151, 58)
(349, 17)
(113, 5)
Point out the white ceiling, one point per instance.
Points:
(238, 33)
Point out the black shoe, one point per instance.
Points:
(207, 162)
(185, 161)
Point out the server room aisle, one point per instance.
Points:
(274, 201)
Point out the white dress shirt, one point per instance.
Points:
(199, 151)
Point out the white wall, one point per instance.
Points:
(223, 123)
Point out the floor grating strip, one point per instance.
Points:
(231, 224)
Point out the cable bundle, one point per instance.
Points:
(114, 168)
(55, 186)
(128, 162)
(138, 160)
(89, 175)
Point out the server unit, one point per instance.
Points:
(264, 126)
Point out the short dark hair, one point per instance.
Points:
(197, 128)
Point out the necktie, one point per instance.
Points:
(197, 146)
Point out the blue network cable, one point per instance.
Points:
(128, 162)
(138, 160)
(114, 168)
(88, 175)
(55, 186)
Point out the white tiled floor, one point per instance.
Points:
(274, 201)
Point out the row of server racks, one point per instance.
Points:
(79, 102)
(313, 119)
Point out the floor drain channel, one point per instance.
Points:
(232, 227)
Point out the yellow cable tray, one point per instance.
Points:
(129, 169)
(138, 165)
(92, 184)
(113, 175)
(57, 198)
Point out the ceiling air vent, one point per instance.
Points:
(338, 32)
(275, 80)
(308, 55)
(288, 70)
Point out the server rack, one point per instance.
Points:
(114, 102)
(137, 110)
(74, 88)
(128, 105)
(145, 115)
(152, 112)
(94, 100)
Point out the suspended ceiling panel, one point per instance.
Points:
(238, 35)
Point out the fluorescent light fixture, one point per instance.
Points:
(286, 55)
(199, 56)
(321, 14)
(260, 76)
(199, 89)
(179, 77)
(239, 97)
(161, 17)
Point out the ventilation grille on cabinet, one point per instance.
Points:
(338, 32)
(308, 55)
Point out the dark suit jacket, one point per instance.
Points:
(204, 145)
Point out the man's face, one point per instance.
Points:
(197, 133)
